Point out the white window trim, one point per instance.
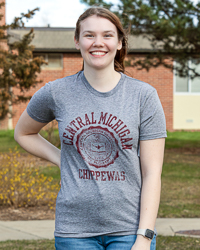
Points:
(189, 83)
(46, 67)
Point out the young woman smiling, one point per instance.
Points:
(112, 130)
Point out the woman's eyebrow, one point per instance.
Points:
(88, 31)
(105, 31)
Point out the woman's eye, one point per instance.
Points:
(89, 35)
(108, 35)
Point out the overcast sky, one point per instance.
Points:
(56, 13)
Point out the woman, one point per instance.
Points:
(112, 131)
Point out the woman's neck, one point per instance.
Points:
(102, 80)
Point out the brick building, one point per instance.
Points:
(56, 45)
(179, 96)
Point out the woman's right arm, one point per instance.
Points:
(28, 137)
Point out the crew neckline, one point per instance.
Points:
(102, 94)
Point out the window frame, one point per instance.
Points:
(46, 54)
(189, 83)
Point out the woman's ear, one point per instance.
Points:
(76, 43)
(119, 45)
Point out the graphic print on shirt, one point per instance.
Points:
(98, 145)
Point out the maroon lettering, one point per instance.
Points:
(92, 174)
(73, 123)
(66, 136)
(110, 175)
(121, 129)
(97, 175)
(117, 125)
(103, 175)
(68, 143)
(108, 119)
(80, 173)
(126, 146)
(124, 140)
(93, 122)
(85, 174)
(102, 118)
(122, 176)
(87, 121)
(109, 124)
(124, 133)
(70, 130)
(80, 123)
(117, 176)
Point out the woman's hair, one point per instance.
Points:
(102, 12)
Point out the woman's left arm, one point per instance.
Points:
(151, 158)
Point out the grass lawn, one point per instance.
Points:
(51, 171)
(182, 139)
(7, 140)
(163, 243)
(180, 194)
(173, 140)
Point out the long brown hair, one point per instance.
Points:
(102, 12)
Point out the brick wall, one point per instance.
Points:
(160, 78)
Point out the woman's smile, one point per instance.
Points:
(98, 53)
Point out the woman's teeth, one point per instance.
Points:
(98, 53)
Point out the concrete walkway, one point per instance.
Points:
(44, 229)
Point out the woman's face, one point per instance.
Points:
(98, 42)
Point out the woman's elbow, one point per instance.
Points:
(16, 134)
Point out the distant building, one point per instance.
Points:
(180, 97)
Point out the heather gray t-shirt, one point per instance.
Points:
(100, 164)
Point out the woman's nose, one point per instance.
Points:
(98, 41)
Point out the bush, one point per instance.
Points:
(23, 185)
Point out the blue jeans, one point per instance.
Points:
(99, 243)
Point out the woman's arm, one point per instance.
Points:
(28, 137)
(151, 157)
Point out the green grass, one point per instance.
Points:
(7, 140)
(163, 243)
(27, 245)
(51, 171)
(177, 243)
(182, 139)
(178, 139)
(180, 194)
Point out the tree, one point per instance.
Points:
(18, 68)
(171, 26)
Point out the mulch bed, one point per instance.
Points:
(190, 232)
(29, 213)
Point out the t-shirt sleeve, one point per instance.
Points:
(152, 118)
(41, 106)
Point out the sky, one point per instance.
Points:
(56, 13)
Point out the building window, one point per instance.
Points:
(186, 84)
(54, 60)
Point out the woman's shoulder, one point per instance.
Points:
(138, 83)
(65, 81)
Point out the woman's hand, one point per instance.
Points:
(141, 243)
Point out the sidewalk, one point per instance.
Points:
(44, 229)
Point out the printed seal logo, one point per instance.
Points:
(97, 146)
